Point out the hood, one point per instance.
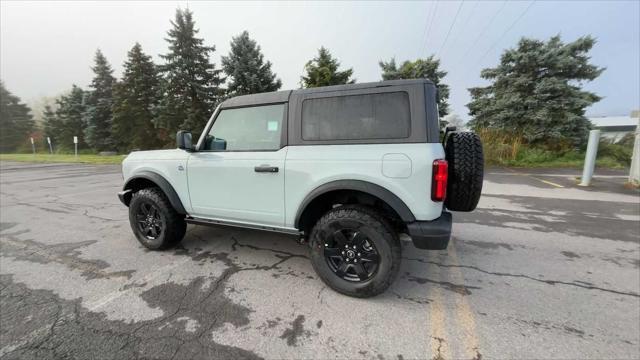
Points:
(171, 154)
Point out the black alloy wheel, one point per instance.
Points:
(150, 223)
(350, 255)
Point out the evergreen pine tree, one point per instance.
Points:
(428, 68)
(246, 68)
(50, 122)
(136, 98)
(99, 102)
(323, 71)
(536, 91)
(69, 121)
(16, 122)
(191, 86)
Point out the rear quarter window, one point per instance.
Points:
(357, 117)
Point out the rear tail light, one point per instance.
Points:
(439, 181)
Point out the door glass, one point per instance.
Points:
(250, 128)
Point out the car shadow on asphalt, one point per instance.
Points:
(247, 249)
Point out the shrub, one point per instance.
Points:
(503, 148)
(620, 152)
(500, 147)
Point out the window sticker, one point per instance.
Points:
(272, 125)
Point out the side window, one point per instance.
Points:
(250, 128)
(357, 117)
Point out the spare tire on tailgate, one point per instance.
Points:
(466, 170)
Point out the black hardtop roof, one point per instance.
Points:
(283, 96)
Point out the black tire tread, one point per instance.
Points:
(176, 226)
(466, 171)
(380, 224)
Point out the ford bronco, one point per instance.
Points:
(347, 168)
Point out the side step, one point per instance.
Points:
(215, 222)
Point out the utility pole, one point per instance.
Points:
(634, 171)
(590, 157)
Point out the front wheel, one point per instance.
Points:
(355, 251)
(154, 221)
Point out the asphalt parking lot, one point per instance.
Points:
(543, 269)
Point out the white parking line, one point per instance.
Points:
(559, 175)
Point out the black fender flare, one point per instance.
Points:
(358, 185)
(163, 184)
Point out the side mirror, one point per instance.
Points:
(219, 144)
(183, 138)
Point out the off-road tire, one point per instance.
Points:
(382, 236)
(174, 225)
(466, 170)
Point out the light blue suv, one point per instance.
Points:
(345, 167)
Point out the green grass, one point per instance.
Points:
(608, 163)
(63, 158)
(507, 149)
(532, 158)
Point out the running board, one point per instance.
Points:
(212, 222)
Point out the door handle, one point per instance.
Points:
(266, 169)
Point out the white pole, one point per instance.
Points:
(590, 157)
(634, 171)
(33, 146)
(50, 147)
(75, 143)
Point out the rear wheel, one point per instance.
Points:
(355, 251)
(154, 221)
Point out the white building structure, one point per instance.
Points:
(614, 128)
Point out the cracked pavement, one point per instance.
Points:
(537, 271)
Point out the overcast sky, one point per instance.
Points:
(47, 46)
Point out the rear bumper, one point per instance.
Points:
(125, 197)
(431, 235)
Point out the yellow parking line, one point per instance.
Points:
(439, 345)
(531, 176)
(464, 313)
(548, 182)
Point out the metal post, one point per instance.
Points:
(590, 157)
(50, 147)
(634, 170)
(75, 143)
(33, 146)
